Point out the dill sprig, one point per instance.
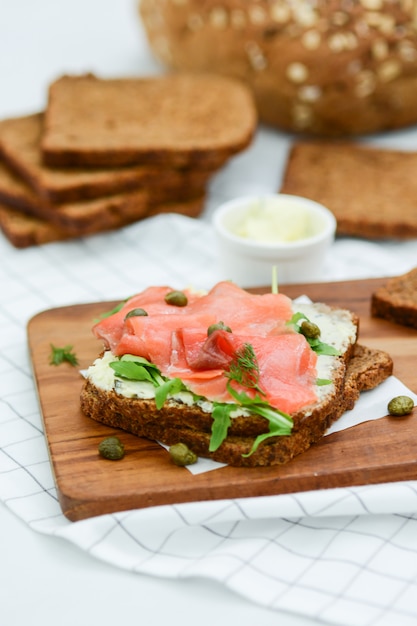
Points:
(244, 368)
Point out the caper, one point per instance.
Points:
(182, 455)
(111, 448)
(310, 330)
(218, 326)
(400, 405)
(176, 298)
(136, 313)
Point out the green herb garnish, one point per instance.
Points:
(116, 309)
(61, 355)
(138, 368)
(221, 422)
(244, 368)
(315, 343)
(274, 280)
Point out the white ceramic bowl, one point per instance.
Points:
(256, 233)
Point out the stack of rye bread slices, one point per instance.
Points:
(109, 152)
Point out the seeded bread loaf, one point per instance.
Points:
(180, 121)
(20, 147)
(371, 191)
(396, 301)
(330, 68)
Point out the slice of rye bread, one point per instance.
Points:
(396, 301)
(178, 120)
(190, 425)
(20, 146)
(24, 230)
(93, 215)
(372, 192)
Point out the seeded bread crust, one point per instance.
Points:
(371, 191)
(181, 121)
(396, 301)
(324, 68)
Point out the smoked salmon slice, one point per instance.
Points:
(176, 340)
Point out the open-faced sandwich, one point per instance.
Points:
(243, 378)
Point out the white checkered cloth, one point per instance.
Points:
(347, 555)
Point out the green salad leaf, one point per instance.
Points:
(137, 368)
(315, 343)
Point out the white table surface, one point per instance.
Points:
(45, 580)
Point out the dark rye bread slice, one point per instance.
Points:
(23, 230)
(372, 192)
(178, 120)
(20, 147)
(396, 301)
(190, 425)
(93, 215)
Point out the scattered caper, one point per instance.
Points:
(176, 298)
(400, 405)
(310, 330)
(182, 455)
(111, 448)
(218, 326)
(136, 313)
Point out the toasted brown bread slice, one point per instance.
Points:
(396, 301)
(20, 146)
(181, 120)
(372, 192)
(190, 425)
(93, 215)
(24, 230)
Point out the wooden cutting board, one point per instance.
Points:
(372, 452)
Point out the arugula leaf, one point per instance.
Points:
(132, 371)
(280, 423)
(60, 355)
(220, 425)
(315, 343)
(138, 368)
(116, 309)
(170, 386)
(323, 348)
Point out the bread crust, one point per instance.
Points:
(327, 68)
(20, 139)
(396, 301)
(24, 230)
(371, 191)
(177, 422)
(181, 121)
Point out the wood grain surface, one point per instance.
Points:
(373, 452)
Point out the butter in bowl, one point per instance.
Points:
(256, 233)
